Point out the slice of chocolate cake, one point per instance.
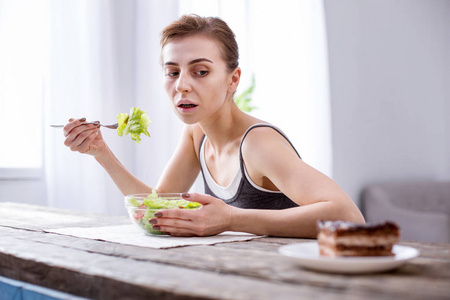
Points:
(338, 238)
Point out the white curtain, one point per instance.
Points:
(103, 58)
(289, 58)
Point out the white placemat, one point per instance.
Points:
(131, 235)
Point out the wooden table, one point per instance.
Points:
(239, 270)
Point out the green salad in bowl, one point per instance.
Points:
(142, 207)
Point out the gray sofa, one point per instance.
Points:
(421, 209)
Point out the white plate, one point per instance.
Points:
(307, 255)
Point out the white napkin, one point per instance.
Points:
(131, 235)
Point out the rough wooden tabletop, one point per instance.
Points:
(239, 270)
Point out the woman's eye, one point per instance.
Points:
(201, 73)
(172, 74)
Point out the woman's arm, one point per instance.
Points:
(183, 168)
(88, 139)
(319, 196)
(126, 182)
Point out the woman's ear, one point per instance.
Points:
(235, 78)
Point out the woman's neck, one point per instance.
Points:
(224, 126)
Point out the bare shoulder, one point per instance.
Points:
(264, 140)
(265, 149)
(269, 157)
(195, 133)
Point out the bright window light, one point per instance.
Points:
(21, 92)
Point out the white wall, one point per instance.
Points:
(30, 191)
(390, 90)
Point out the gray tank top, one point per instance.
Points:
(248, 196)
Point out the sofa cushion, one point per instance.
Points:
(421, 209)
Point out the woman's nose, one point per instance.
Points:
(183, 84)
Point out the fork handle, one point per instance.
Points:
(60, 126)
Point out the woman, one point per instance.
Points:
(254, 179)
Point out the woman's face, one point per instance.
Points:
(196, 78)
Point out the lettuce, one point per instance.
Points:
(133, 202)
(149, 213)
(154, 203)
(135, 124)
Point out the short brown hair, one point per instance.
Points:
(210, 27)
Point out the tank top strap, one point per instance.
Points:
(241, 159)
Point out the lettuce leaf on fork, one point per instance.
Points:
(135, 124)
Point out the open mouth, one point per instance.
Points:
(187, 105)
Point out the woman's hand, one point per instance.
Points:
(84, 138)
(213, 217)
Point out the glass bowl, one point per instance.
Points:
(142, 207)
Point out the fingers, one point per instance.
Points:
(72, 124)
(211, 218)
(76, 141)
(200, 198)
(174, 227)
(165, 224)
(80, 136)
(86, 143)
(177, 222)
(184, 214)
(75, 124)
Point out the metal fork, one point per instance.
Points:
(112, 126)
